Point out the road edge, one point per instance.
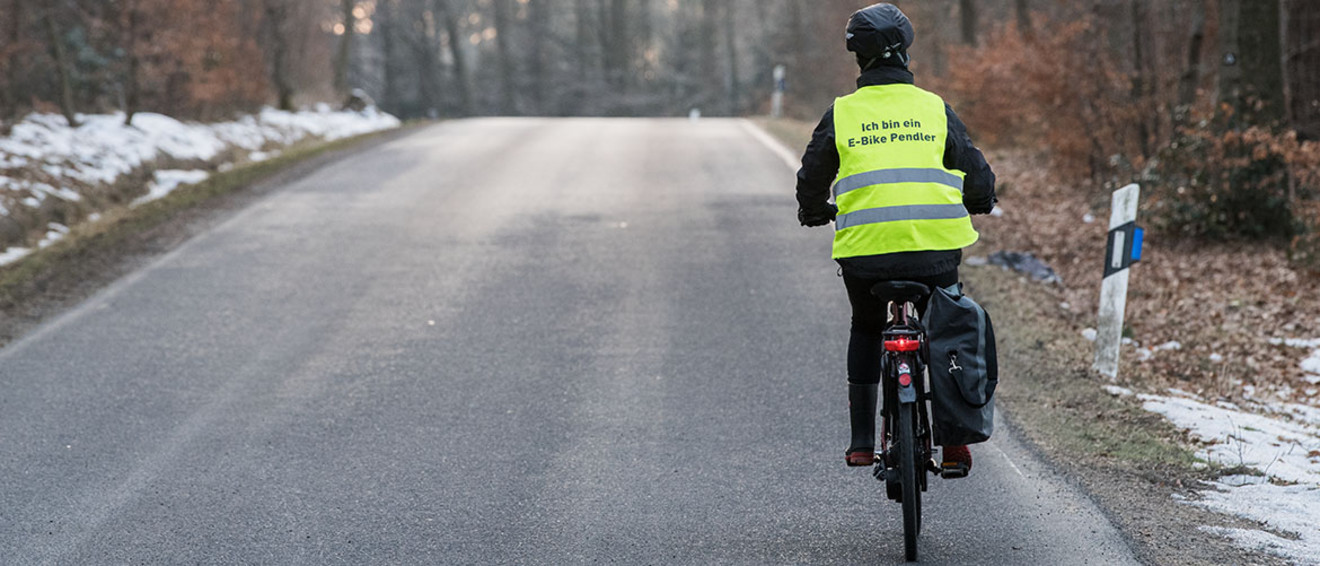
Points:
(94, 255)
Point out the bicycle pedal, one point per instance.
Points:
(953, 472)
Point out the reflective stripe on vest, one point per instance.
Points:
(884, 176)
(897, 213)
(893, 192)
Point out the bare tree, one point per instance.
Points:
(731, 86)
(1022, 13)
(277, 37)
(10, 94)
(1249, 39)
(61, 65)
(967, 20)
(1139, 72)
(538, 27)
(449, 13)
(1302, 66)
(504, 48)
(132, 86)
(1190, 79)
(345, 53)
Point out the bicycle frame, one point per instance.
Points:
(905, 348)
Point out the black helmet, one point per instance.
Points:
(879, 32)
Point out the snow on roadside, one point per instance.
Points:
(102, 148)
(165, 181)
(12, 255)
(43, 157)
(1283, 444)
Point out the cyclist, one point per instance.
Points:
(905, 179)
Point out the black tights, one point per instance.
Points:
(868, 322)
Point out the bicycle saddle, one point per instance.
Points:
(900, 291)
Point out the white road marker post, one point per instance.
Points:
(777, 98)
(1123, 249)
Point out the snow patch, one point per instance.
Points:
(1293, 509)
(1312, 363)
(166, 181)
(1296, 342)
(12, 255)
(1233, 437)
(102, 148)
(1283, 445)
(1089, 334)
(1118, 391)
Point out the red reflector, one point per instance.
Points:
(902, 345)
(904, 380)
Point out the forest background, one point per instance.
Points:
(1212, 102)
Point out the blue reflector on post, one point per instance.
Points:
(1136, 244)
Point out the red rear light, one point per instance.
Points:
(902, 345)
(905, 380)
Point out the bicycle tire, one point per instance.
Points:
(907, 465)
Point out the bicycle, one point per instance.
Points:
(904, 456)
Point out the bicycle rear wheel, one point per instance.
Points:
(907, 465)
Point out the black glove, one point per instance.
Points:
(984, 208)
(817, 216)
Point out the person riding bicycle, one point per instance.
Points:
(905, 177)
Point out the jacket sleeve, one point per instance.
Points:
(820, 164)
(960, 154)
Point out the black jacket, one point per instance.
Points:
(820, 165)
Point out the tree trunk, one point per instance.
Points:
(1190, 80)
(1023, 14)
(620, 51)
(732, 87)
(1249, 37)
(504, 49)
(131, 86)
(426, 48)
(450, 15)
(967, 19)
(582, 47)
(62, 69)
(384, 20)
(1139, 93)
(538, 25)
(605, 41)
(645, 35)
(1302, 67)
(10, 93)
(345, 54)
(706, 51)
(277, 12)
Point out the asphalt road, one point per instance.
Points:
(491, 341)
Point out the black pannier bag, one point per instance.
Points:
(964, 370)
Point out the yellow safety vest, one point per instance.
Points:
(893, 192)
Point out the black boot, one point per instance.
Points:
(861, 409)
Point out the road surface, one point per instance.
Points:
(490, 341)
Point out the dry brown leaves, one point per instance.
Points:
(1221, 302)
